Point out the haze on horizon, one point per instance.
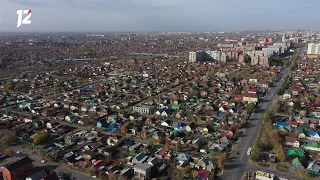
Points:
(160, 15)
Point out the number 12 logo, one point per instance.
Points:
(26, 20)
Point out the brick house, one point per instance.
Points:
(17, 169)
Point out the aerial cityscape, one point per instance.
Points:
(160, 100)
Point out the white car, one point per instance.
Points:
(18, 152)
(43, 161)
(249, 151)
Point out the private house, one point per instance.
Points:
(102, 123)
(302, 133)
(287, 94)
(292, 141)
(314, 135)
(140, 158)
(250, 97)
(153, 161)
(294, 90)
(281, 125)
(205, 164)
(163, 154)
(238, 97)
(313, 146)
(183, 158)
(296, 153)
(17, 169)
(35, 175)
(296, 162)
(51, 176)
(142, 170)
(314, 168)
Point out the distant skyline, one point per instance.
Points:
(160, 15)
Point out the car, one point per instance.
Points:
(18, 152)
(43, 161)
(249, 151)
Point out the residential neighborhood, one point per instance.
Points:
(162, 116)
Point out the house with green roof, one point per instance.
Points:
(313, 146)
(175, 107)
(296, 162)
(287, 94)
(296, 152)
(70, 117)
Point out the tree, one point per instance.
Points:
(112, 176)
(317, 101)
(178, 146)
(167, 146)
(102, 176)
(41, 137)
(279, 152)
(8, 86)
(90, 171)
(250, 107)
(8, 152)
(8, 139)
(222, 160)
(124, 129)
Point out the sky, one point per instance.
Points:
(160, 15)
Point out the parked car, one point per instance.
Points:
(249, 151)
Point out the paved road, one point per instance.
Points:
(238, 164)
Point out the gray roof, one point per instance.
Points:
(142, 166)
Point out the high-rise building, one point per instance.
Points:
(192, 56)
(204, 56)
(241, 58)
(313, 49)
(284, 37)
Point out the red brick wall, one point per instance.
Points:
(17, 174)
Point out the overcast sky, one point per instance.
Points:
(161, 15)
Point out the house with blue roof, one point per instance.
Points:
(102, 123)
(180, 125)
(281, 125)
(314, 135)
(140, 158)
(183, 158)
(314, 168)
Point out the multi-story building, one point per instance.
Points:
(272, 50)
(261, 58)
(192, 56)
(241, 58)
(142, 170)
(225, 45)
(204, 56)
(313, 49)
(17, 169)
(143, 109)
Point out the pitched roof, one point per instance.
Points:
(51, 176)
(291, 139)
(298, 152)
(17, 164)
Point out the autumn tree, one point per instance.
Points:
(112, 176)
(178, 146)
(8, 152)
(317, 100)
(102, 176)
(222, 159)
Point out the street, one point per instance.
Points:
(239, 164)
